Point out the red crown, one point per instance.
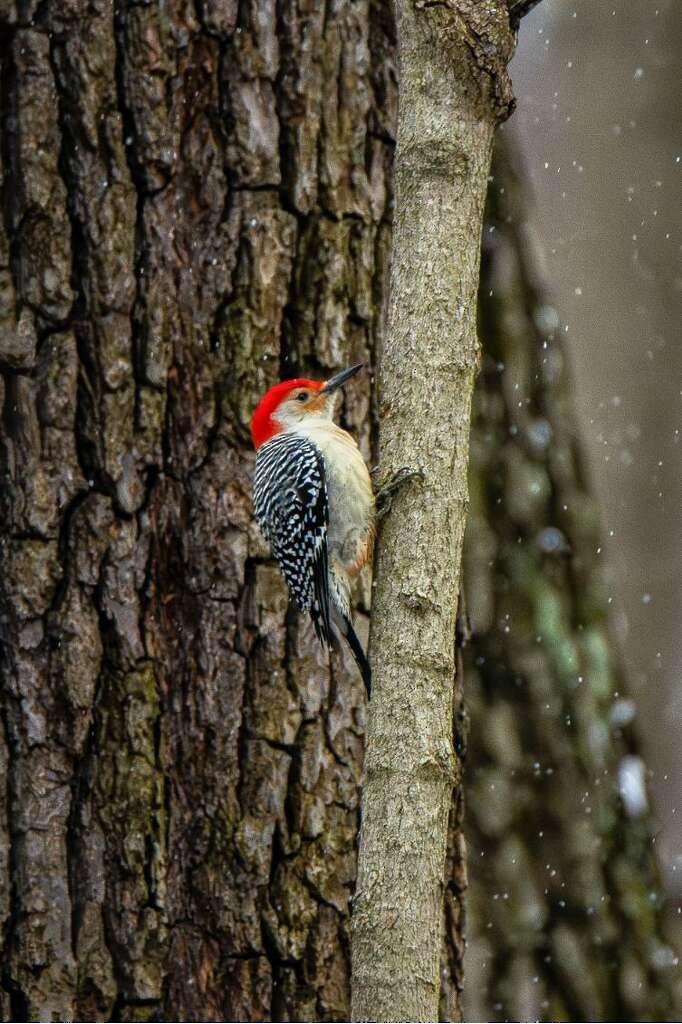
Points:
(263, 427)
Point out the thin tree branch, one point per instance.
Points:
(454, 89)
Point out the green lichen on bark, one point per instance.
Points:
(559, 871)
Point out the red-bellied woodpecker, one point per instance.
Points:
(313, 500)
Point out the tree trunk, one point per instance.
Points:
(196, 200)
(565, 908)
(195, 204)
(452, 93)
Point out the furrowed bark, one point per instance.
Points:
(453, 89)
(193, 204)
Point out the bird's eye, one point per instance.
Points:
(302, 397)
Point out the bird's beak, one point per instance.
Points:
(340, 379)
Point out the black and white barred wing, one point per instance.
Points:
(290, 504)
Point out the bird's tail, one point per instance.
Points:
(339, 592)
(358, 653)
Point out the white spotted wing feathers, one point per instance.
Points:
(290, 503)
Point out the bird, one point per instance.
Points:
(313, 500)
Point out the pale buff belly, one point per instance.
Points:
(351, 501)
(351, 513)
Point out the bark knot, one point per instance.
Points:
(485, 29)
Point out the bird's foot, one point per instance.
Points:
(388, 486)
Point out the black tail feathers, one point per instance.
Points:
(358, 654)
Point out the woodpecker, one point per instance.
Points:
(313, 500)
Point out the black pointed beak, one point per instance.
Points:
(340, 379)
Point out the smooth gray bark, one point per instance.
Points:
(452, 91)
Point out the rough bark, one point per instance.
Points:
(195, 202)
(453, 90)
(565, 905)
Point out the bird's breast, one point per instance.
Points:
(351, 501)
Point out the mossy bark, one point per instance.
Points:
(196, 200)
(565, 902)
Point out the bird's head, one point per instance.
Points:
(291, 401)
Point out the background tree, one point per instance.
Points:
(197, 201)
(564, 914)
(604, 179)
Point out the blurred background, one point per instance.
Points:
(598, 119)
